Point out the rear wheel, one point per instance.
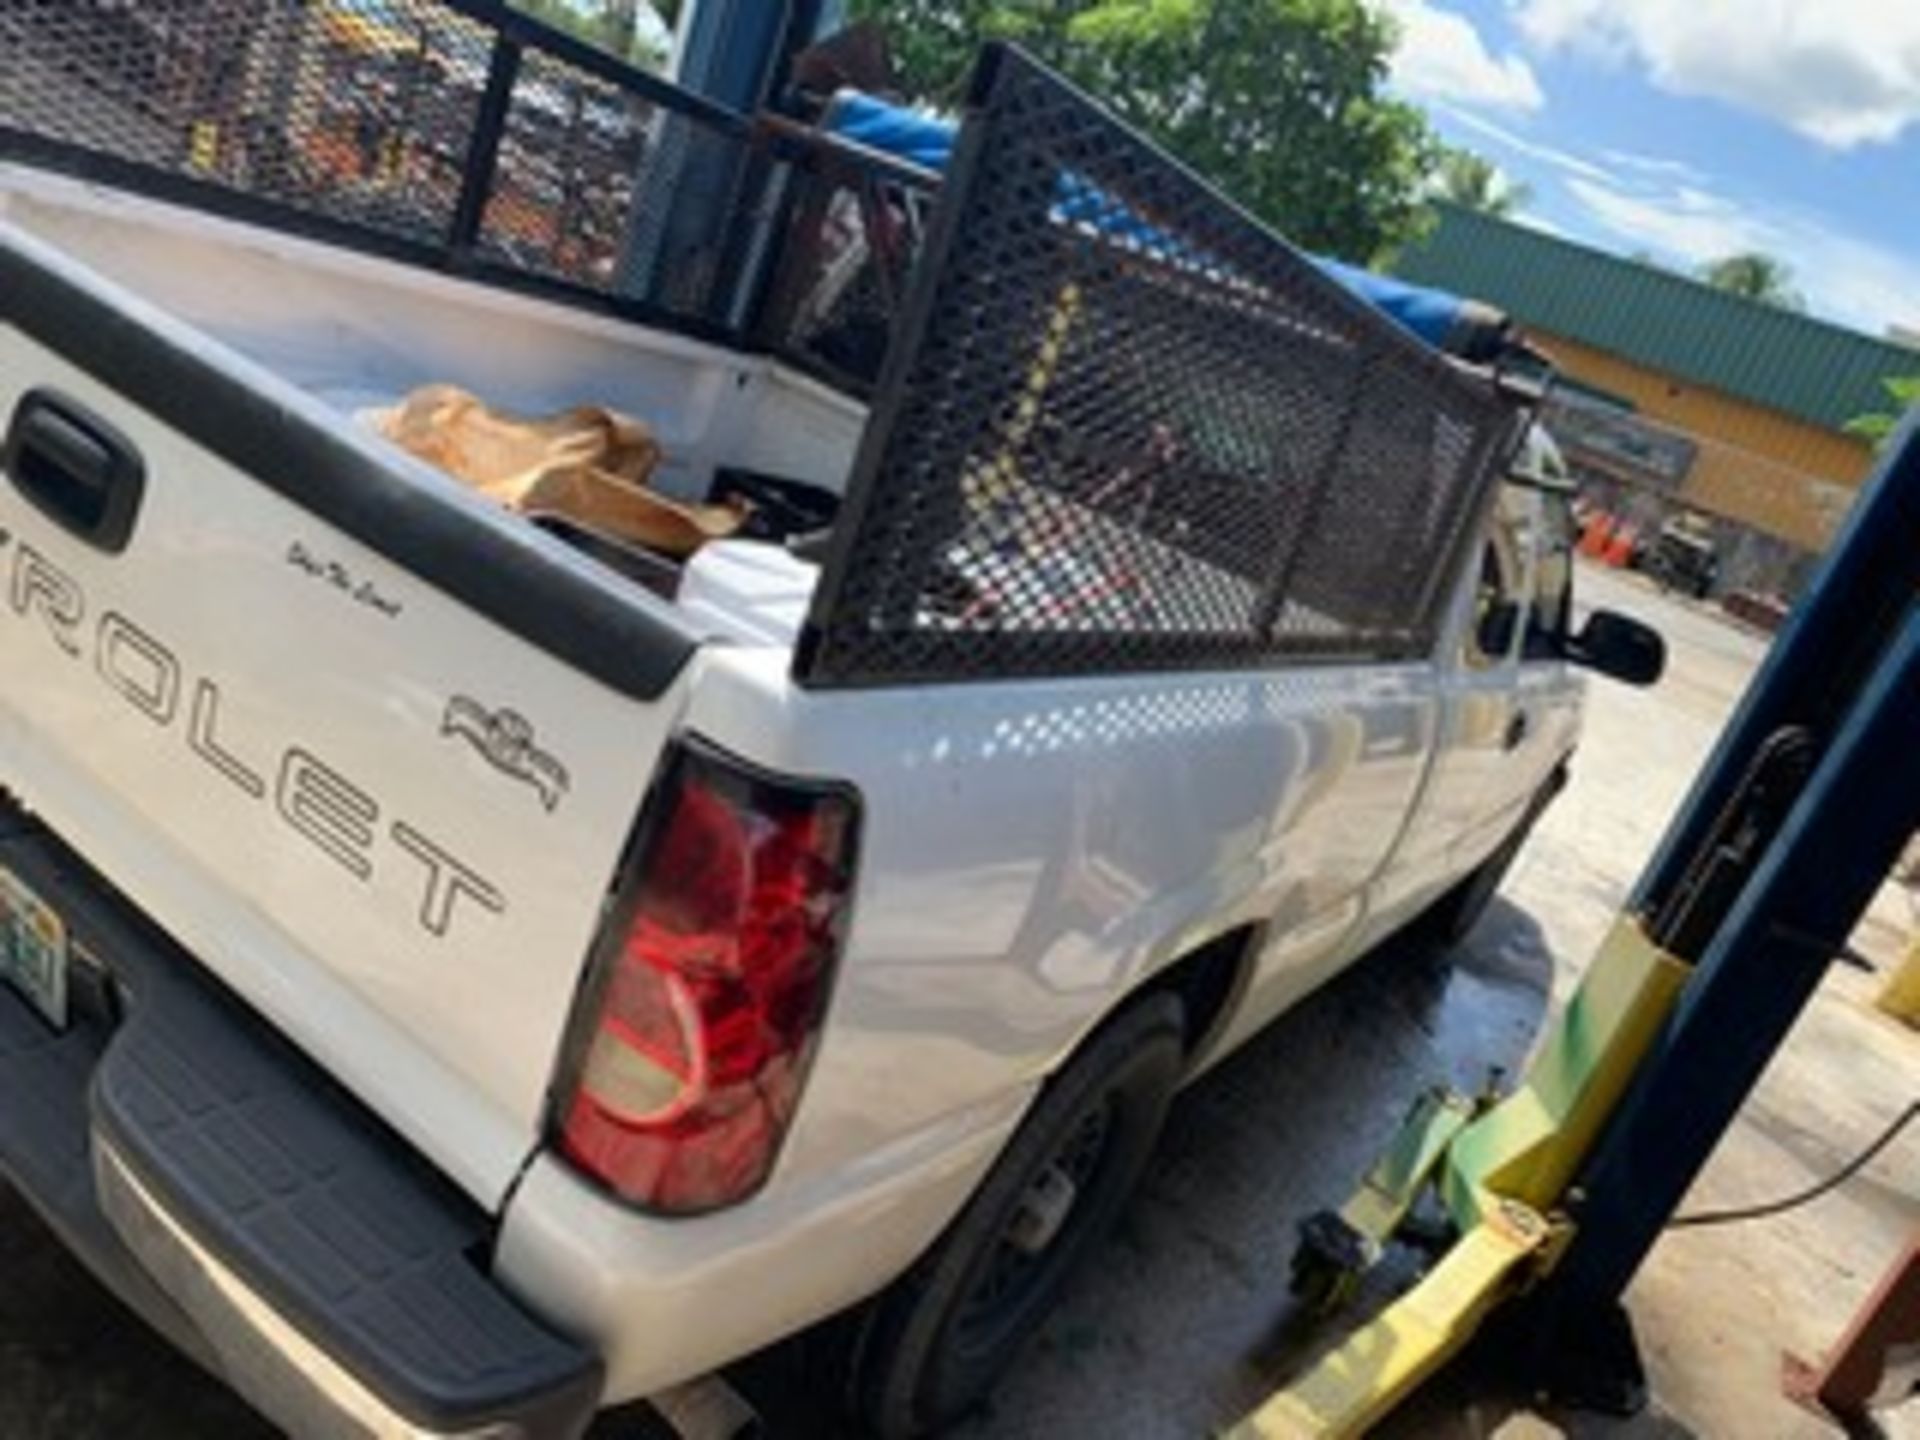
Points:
(935, 1343)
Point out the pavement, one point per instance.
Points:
(1184, 1322)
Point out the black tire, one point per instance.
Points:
(935, 1343)
(1451, 918)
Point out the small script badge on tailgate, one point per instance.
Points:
(334, 574)
(504, 739)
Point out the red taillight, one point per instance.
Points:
(706, 1000)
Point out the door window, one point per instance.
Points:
(1550, 616)
(1497, 601)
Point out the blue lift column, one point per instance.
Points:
(735, 53)
(1811, 794)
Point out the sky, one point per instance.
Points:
(1692, 129)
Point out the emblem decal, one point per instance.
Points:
(504, 739)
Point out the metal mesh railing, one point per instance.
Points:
(1124, 427)
(453, 132)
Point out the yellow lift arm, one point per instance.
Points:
(1500, 1175)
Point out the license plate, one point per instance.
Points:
(33, 949)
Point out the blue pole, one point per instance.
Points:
(732, 49)
(733, 52)
(1848, 664)
(1820, 656)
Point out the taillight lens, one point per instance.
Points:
(709, 991)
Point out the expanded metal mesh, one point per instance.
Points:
(455, 127)
(1124, 427)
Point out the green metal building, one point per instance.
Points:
(1677, 391)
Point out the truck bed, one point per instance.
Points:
(357, 332)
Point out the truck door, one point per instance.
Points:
(1549, 691)
(1513, 701)
(1471, 798)
(1476, 789)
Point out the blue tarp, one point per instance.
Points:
(927, 141)
(1434, 315)
(894, 129)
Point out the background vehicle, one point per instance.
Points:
(1683, 557)
(469, 974)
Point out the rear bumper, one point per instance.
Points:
(285, 1375)
(245, 1206)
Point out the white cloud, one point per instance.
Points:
(1656, 165)
(1441, 56)
(1842, 72)
(1518, 144)
(1688, 224)
(1850, 279)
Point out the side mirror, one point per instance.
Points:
(1619, 646)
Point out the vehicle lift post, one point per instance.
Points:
(1559, 1190)
(1845, 671)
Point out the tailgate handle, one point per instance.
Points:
(77, 469)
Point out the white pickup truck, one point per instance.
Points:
(459, 981)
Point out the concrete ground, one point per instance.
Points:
(1186, 1320)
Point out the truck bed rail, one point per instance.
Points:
(464, 136)
(458, 134)
(1120, 425)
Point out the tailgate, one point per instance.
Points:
(366, 747)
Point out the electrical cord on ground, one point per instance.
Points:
(1793, 1202)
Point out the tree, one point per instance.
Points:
(1475, 183)
(1756, 277)
(1879, 428)
(611, 25)
(618, 18)
(1279, 102)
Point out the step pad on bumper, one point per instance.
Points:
(317, 1220)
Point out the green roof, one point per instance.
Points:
(1808, 368)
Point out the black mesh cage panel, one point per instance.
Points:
(455, 133)
(1124, 427)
